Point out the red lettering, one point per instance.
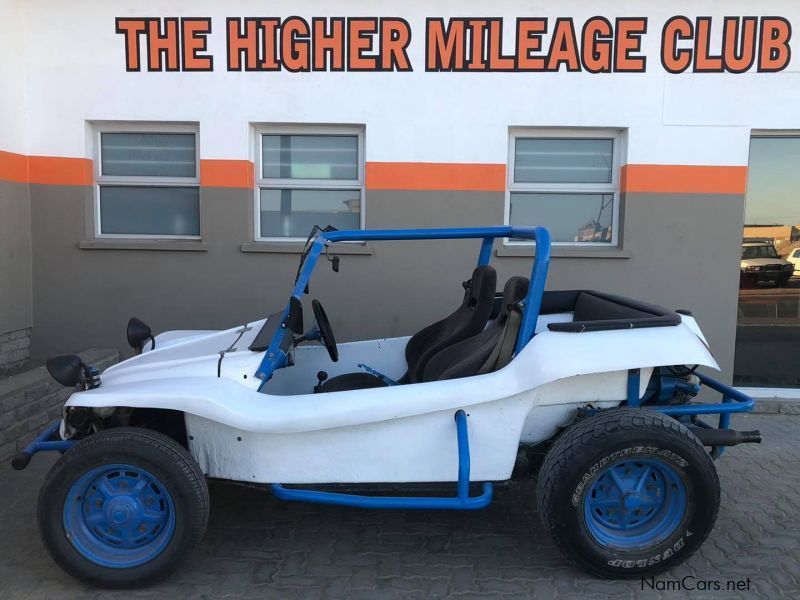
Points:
(395, 37)
(628, 39)
(774, 54)
(674, 59)
(239, 43)
(497, 61)
(328, 43)
(131, 29)
(360, 41)
(444, 47)
(194, 34)
(529, 40)
(598, 42)
(704, 61)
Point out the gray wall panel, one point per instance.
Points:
(15, 257)
(683, 253)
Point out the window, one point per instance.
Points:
(567, 181)
(306, 177)
(768, 315)
(147, 182)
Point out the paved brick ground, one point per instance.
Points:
(258, 547)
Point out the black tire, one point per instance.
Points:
(143, 449)
(583, 453)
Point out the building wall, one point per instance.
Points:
(671, 256)
(16, 304)
(683, 178)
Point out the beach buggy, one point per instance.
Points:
(594, 394)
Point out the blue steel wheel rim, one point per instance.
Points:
(634, 504)
(119, 516)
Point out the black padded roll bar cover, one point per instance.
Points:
(597, 311)
(293, 322)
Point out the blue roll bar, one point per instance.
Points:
(461, 501)
(44, 442)
(733, 401)
(274, 358)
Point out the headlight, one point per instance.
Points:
(757, 268)
(788, 267)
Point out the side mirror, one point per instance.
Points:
(66, 370)
(138, 333)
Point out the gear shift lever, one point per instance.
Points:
(321, 377)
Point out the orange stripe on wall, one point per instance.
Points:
(684, 179)
(13, 167)
(49, 170)
(227, 173)
(55, 170)
(436, 176)
(677, 179)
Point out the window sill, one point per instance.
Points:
(297, 248)
(564, 251)
(119, 244)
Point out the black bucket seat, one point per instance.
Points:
(467, 320)
(489, 350)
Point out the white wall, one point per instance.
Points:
(15, 214)
(12, 76)
(76, 72)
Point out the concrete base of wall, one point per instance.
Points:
(784, 406)
(31, 399)
(15, 349)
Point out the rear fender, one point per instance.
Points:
(553, 355)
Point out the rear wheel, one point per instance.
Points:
(627, 493)
(123, 508)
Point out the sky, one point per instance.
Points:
(773, 181)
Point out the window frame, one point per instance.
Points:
(98, 129)
(770, 393)
(612, 188)
(276, 183)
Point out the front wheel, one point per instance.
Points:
(628, 493)
(123, 508)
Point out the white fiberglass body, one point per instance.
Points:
(287, 434)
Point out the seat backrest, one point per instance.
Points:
(474, 355)
(467, 320)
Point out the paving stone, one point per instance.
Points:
(260, 547)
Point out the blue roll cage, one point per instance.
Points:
(275, 358)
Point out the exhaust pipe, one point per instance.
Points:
(725, 437)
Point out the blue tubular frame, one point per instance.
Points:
(44, 442)
(274, 358)
(461, 501)
(733, 401)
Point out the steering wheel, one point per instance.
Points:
(325, 331)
